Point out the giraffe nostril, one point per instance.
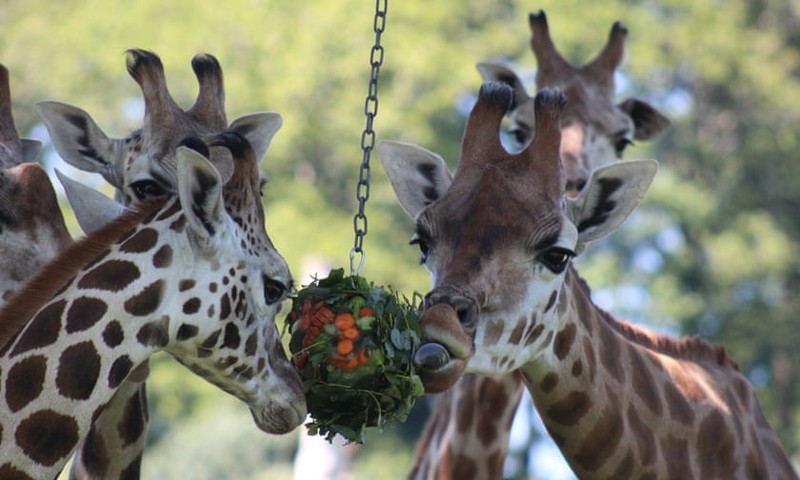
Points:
(465, 308)
(467, 313)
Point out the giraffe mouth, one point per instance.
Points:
(278, 417)
(443, 356)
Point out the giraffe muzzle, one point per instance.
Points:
(446, 348)
(278, 417)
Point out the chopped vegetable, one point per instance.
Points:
(353, 344)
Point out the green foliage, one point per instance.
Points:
(373, 384)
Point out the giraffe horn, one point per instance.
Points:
(603, 66)
(146, 68)
(209, 107)
(481, 140)
(551, 65)
(549, 104)
(12, 148)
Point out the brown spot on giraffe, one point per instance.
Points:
(94, 455)
(163, 257)
(47, 436)
(494, 329)
(716, 447)
(191, 306)
(119, 371)
(78, 371)
(676, 457)
(602, 440)
(147, 300)
(132, 424)
(464, 467)
(643, 383)
(516, 334)
(611, 352)
(140, 242)
(187, 331)
(679, 408)
(493, 402)
(210, 342)
(570, 409)
(10, 472)
(112, 275)
(83, 313)
(533, 334)
(231, 338)
(549, 382)
(251, 344)
(577, 368)
(625, 468)
(43, 329)
(113, 335)
(645, 440)
(225, 306)
(551, 301)
(154, 333)
(564, 340)
(25, 381)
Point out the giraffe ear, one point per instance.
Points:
(78, 140)
(418, 176)
(647, 121)
(609, 197)
(258, 129)
(497, 72)
(200, 193)
(92, 209)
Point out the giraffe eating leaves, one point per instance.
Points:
(141, 165)
(195, 275)
(596, 130)
(498, 239)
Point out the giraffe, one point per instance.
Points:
(194, 275)
(32, 229)
(620, 401)
(596, 130)
(141, 165)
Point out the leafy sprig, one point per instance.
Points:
(374, 385)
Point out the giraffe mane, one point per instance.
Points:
(54, 275)
(691, 348)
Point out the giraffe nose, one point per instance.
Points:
(466, 309)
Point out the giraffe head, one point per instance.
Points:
(235, 344)
(499, 235)
(142, 164)
(595, 130)
(32, 229)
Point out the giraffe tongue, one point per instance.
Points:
(431, 356)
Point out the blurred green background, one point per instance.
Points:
(712, 251)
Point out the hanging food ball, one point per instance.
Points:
(354, 344)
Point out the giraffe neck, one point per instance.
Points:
(457, 443)
(624, 403)
(64, 364)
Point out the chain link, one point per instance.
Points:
(368, 139)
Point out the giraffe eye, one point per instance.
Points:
(147, 189)
(273, 290)
(556, 259)
(424, 248)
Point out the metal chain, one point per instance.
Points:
(368, 139)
